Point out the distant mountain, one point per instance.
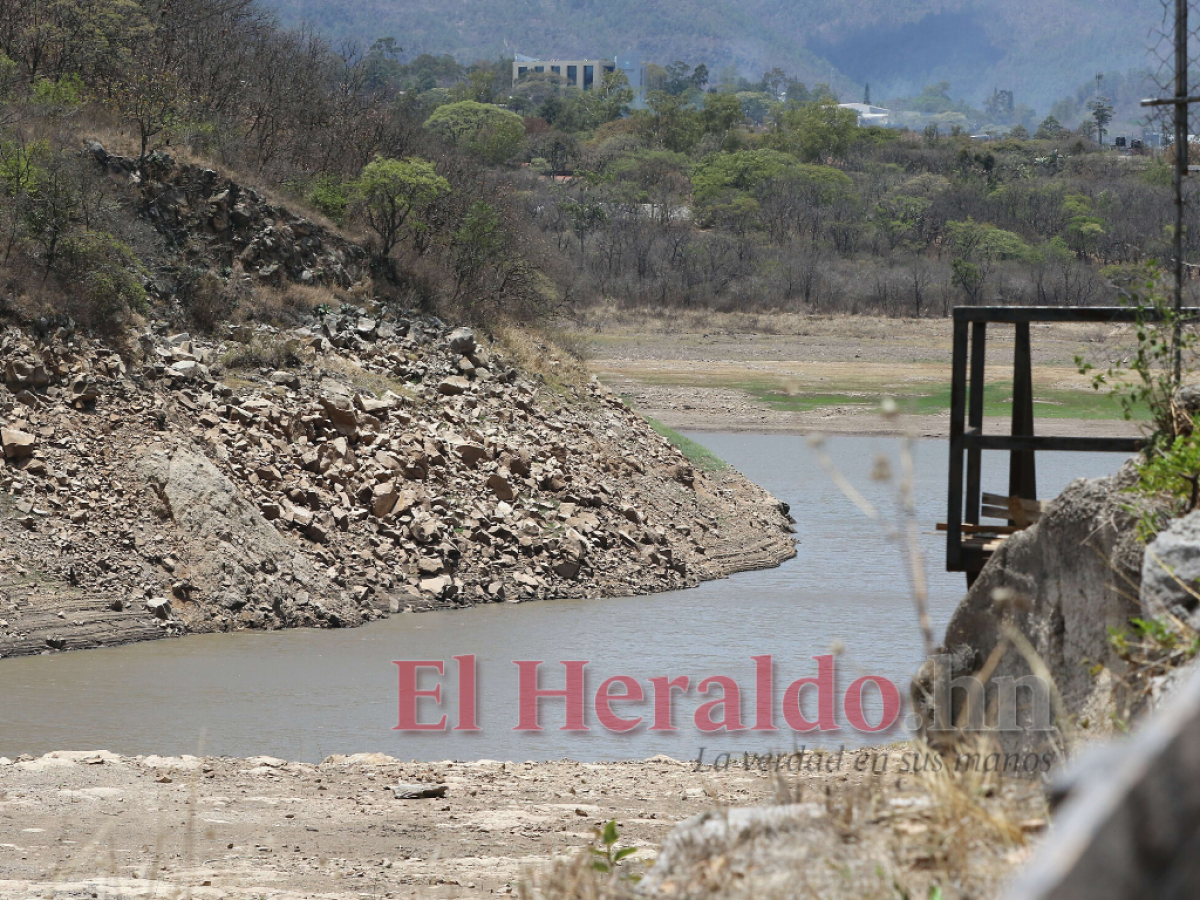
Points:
(1039, 49)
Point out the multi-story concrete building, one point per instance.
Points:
(584, 74)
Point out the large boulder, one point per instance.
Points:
(1171, 572)
(17, 444)
(1060, 585)
(225, 546)
(462, 341)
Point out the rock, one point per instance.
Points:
(160, 607)
(1171, 572)
(683, 473)
(500, 485)
(17, 444)
(453, 386)
(385, 497)
(567, 568)
(472, 454)
(426, 531)
(344, 419)
(20, 374)
(286, 379)
(404, 502)
(372, 406)
(1063, 583)
(1128, 827)
(83, 391)
(438, 586)
(429, 566)
(462, 341)
(731, 834)
(205, 508)
(187, 370)
(418, 791)
(366, 328)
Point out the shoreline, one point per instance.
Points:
(866, 425)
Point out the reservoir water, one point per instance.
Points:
(307, 694)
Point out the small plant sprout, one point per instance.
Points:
(606, 856)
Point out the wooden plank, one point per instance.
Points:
(983, 545)
(1022, 467)
(1014, 314)
(1066, 444)
(1006, 513)
(969, 528)
(958, 409)
(975, 418)
(1034, 506)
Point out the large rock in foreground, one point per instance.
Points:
(1062, 584)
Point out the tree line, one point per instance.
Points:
(499, 199)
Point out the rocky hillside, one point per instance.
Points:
(358, 466)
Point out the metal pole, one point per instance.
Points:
(1181, 168)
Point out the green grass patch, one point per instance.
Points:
(698, 455)
(1048, 403)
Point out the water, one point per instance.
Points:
(306, 694)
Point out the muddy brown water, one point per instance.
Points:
(305, 694)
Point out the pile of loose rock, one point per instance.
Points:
(395, 465)
(221, 221)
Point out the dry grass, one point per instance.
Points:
(541, 355)
(265, 353)
(939, 833)
(371, 381)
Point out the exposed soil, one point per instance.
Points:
(91, 824)
(798, 374)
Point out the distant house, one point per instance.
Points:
(584, 74)
(868, 114)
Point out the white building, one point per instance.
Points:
(584, 74)
(868, 114)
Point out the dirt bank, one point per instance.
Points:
(91, 824)
(823, 374)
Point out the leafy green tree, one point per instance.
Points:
(478, 243)
(740, 172)
(756, 105)
(979, 246)
(1084, 228)
(797, 92)
(395, 193)
(816, 131)
(614, 94)
(490, 132)
(775, 82)
(896, 217)
(1049, 129)
(657, 177)
(671, 123)
(721, 113)
(64, 94)
(1102, 113)
(109, 275)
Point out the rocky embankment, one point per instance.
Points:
(361, 466)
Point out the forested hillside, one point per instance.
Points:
(1039, 50)
(481, 201)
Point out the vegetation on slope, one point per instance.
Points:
(497, 202)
